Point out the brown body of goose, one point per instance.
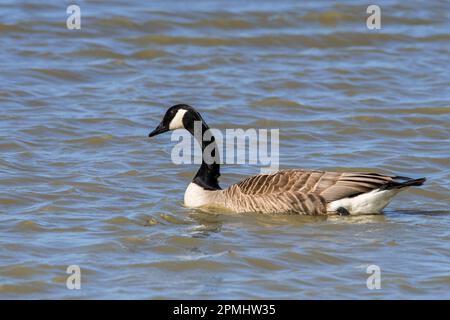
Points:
(296, 191)
(306, 192)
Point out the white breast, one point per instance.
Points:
(195, 196)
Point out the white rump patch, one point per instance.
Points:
(372, 202)
(177, 121)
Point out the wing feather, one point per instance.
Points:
(328, 185)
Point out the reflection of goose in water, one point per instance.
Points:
(295, 191)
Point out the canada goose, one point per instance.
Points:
(297, 191)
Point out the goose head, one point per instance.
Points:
(179, 116)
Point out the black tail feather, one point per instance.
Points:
(397, 185)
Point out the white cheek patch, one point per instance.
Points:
(177, 121)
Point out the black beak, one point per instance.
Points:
(159, 129)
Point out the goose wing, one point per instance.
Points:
(328, 185)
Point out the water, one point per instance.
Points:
(82, 184)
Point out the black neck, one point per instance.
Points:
(208, 174)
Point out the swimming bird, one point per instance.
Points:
(294, 191)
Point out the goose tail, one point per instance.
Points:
(402, 182)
